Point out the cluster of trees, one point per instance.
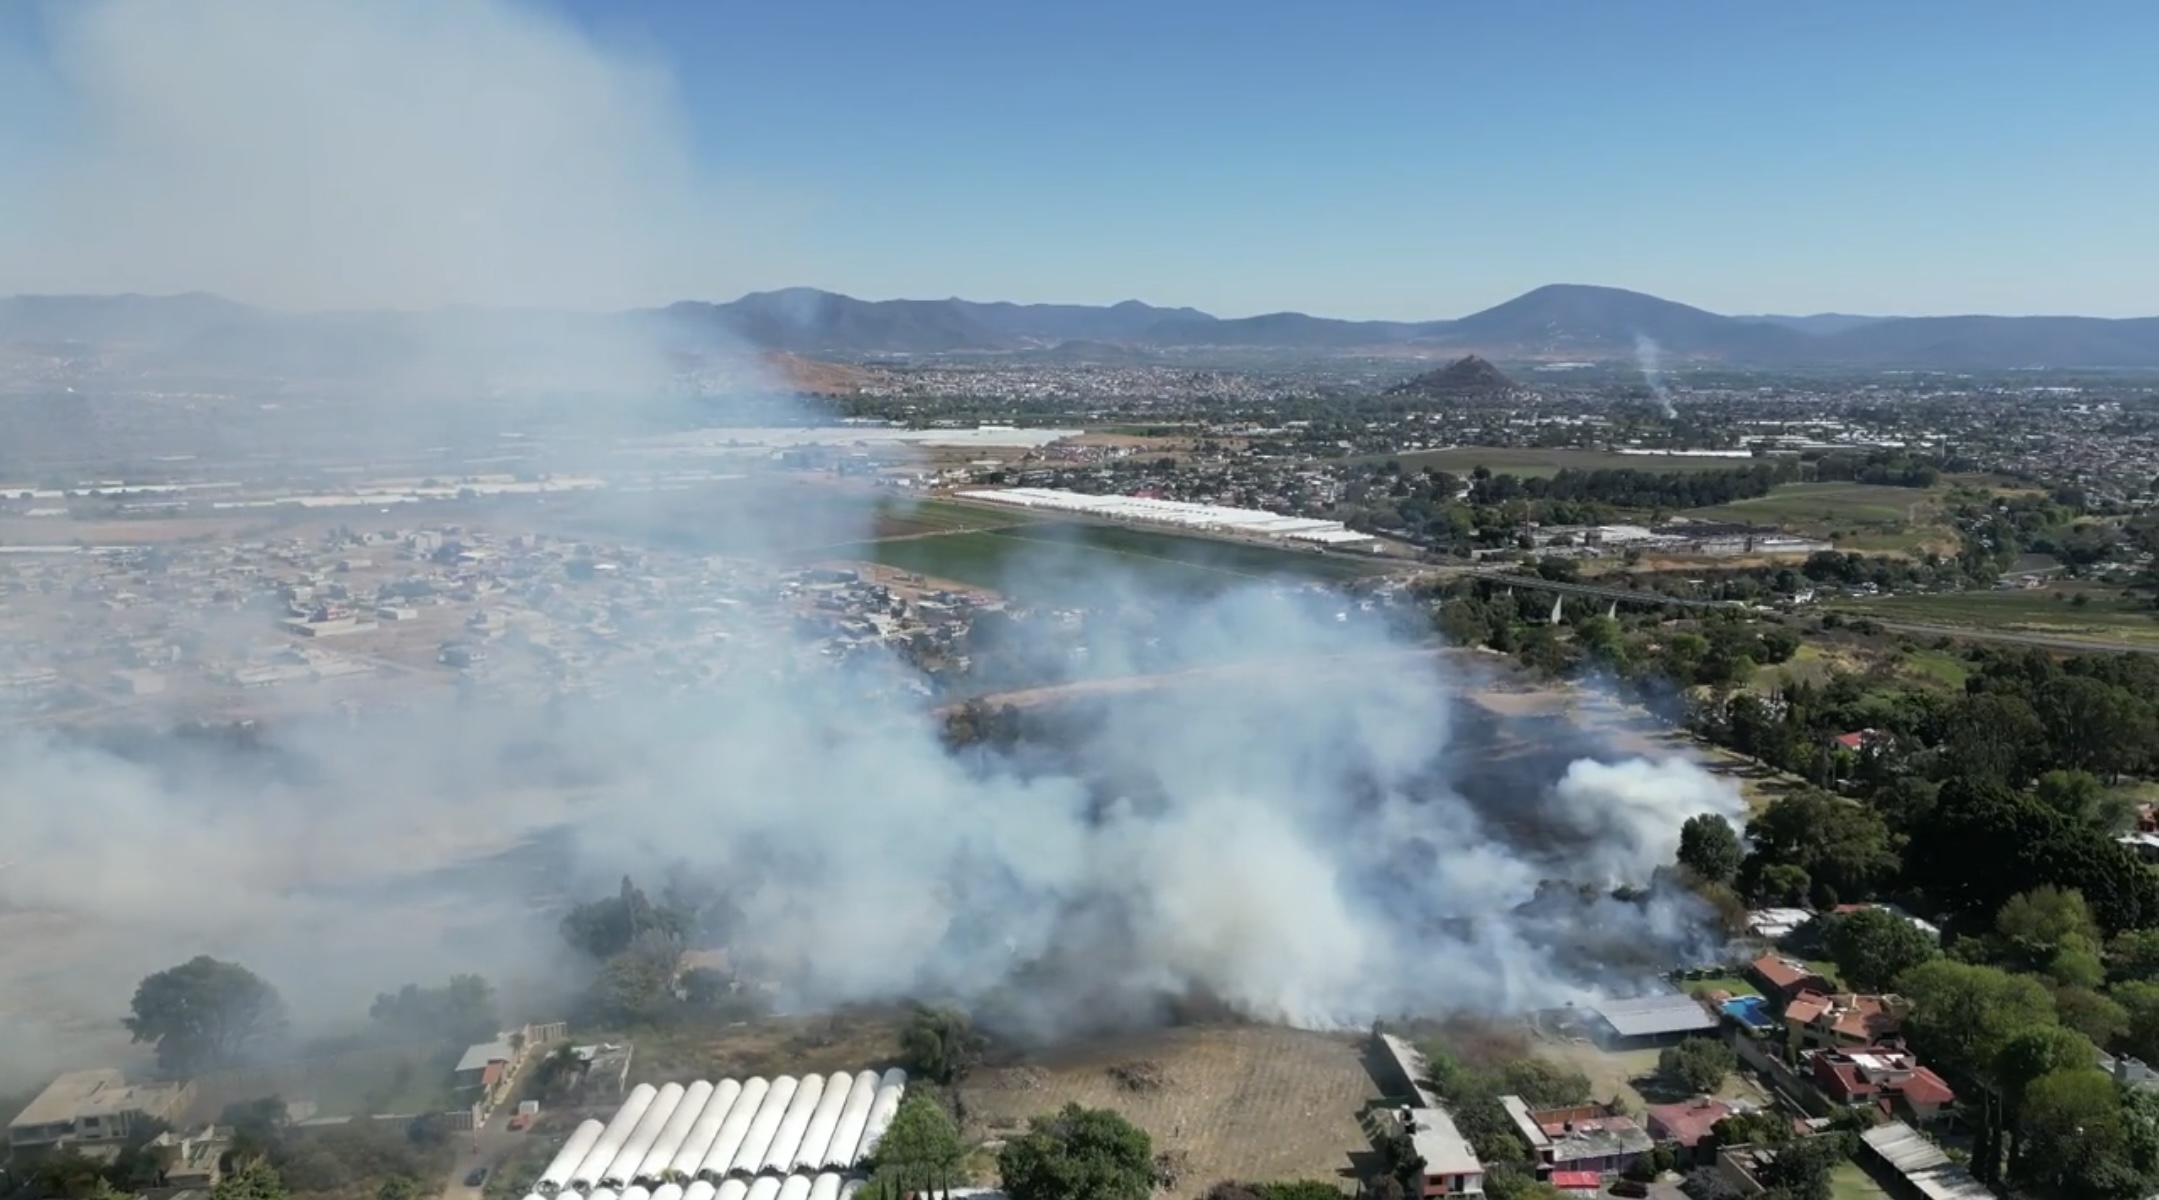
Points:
(1722, 649)
(1627, 488)
(207, 1014)
(636, 946)
(1076, 1153)
(462, 1010)
(2022, 717)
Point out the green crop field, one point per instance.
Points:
(1052, 558)
(2053, 611)
(1819, 507)
(1531, 460)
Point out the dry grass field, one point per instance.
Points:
(1256, 1103)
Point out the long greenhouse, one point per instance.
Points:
(749, 1139)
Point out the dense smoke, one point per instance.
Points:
(1650, 355)
(1291, 835)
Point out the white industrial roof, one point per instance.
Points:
(1647, 1016)
(1175, 512)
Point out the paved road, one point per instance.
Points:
(487, 1147)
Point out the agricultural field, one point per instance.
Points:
(1528, 461)
(1252, 1102)
(1047, 559)
(1824, 508)
(2068, 610)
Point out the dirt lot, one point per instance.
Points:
(1624, 1073)
(1245, 1103)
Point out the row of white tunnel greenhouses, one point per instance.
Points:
(755, 1139)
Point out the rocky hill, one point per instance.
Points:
(1468, 377)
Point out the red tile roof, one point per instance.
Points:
(1783, 973)
(1577, 1180)
(1687, 1122)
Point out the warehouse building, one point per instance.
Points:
(1649, 1021)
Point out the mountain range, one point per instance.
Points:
(1556, 322)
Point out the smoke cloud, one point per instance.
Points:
(1306, 837)
(333, 154)
(1649, 355)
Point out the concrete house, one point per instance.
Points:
(86, 1108)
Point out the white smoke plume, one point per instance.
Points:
(1649, 356)
(1307, 839)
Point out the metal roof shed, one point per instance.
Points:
(1665, 1016)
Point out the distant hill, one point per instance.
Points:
(1556, 321)
(1464, 378)
(1817, 323)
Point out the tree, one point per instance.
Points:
(460, 1010)
(205, 1014)
(1078, 1154)
(1963, 1014)
(398, 1187)
(604, 929)
(2081, 797)
(1709, 847)
(1697, 1064)
(255, 1181)
(2134, 954)
(2068, 1116)
(631, 990)
(2032, 1053)
(2091, 1014)
(1844, 848)
(1800, 1168)
(1873, 946)
(2140, 1003)
(941, 1043)
(2038, 924)
(921, 1151)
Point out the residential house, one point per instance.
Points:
(1689, 1126)
(83, 1108)
(1886, 1077)
(1845, 1021)
(1588, 1137)
(190, 1160)
(1451, 1167)
(1781, 979)
(480, 1074)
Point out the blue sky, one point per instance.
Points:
(1419, 158)
(1428, 157)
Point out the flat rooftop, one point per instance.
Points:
(98, 1093)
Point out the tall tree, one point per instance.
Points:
(1962, 1014)
(205, 1014)
(941, 1043)
(2069, 1117)
(1844, 848)
(1078, 1154)
(1873, 946)
(921, 1152)
(1709, 847)
(462, 1009)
